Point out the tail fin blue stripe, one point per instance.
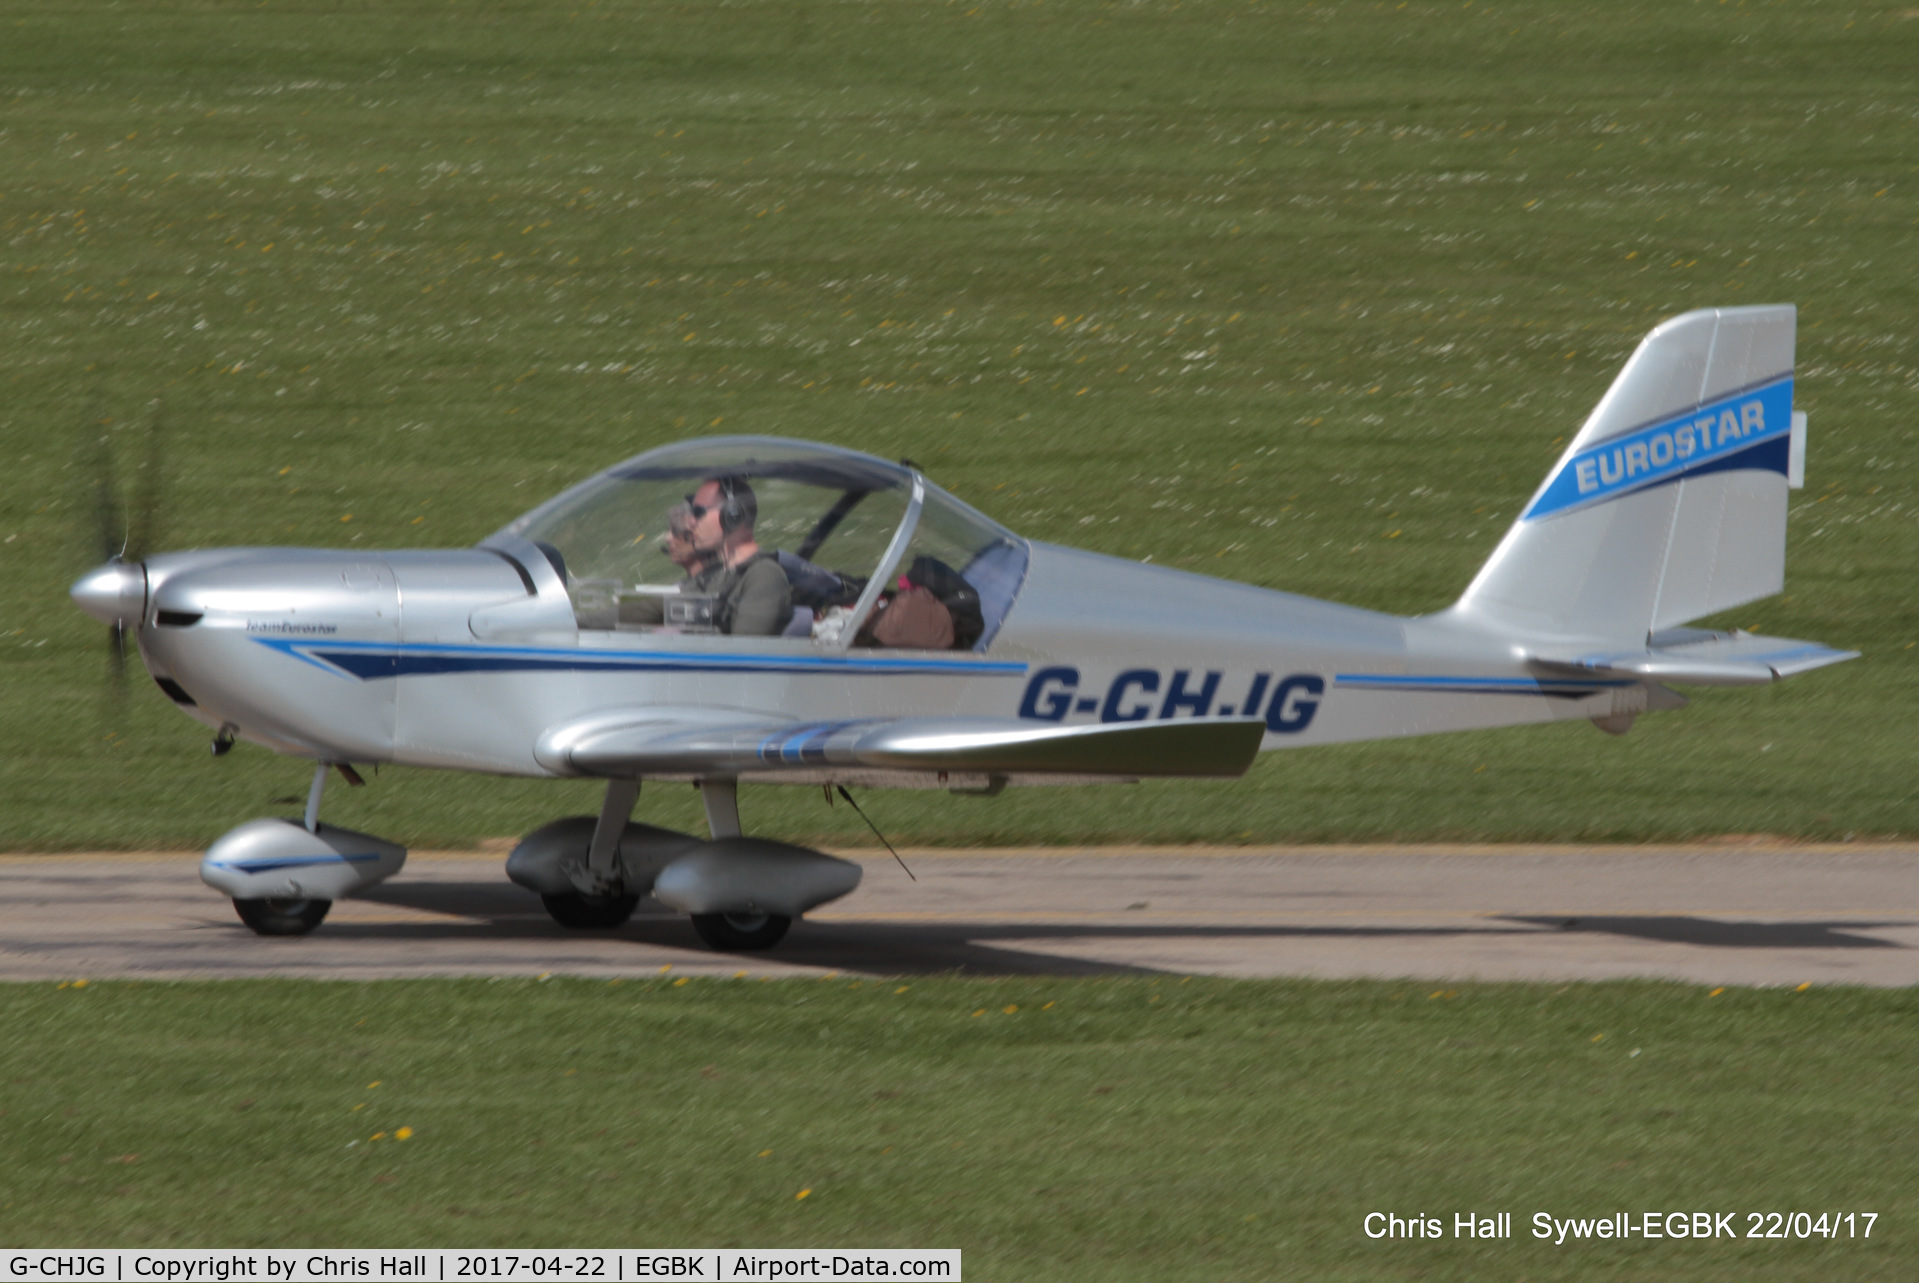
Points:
(1707, 439)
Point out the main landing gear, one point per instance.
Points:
(600, 900)
(741, 932)
(590, 912)
(722, 884)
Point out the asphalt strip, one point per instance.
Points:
(1714, 913)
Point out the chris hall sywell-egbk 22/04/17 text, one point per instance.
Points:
(1643, 1225)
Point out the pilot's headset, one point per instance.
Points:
(738, 506)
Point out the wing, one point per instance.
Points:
(1692, 656)
(701, 741)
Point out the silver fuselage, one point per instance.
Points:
(464, 659)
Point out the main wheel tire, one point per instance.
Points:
(282, 917)
(741, 932)
(590, 912)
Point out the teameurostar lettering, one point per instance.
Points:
(282, 628)
(1671, 448)
(1139, 694)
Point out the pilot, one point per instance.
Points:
(750, 592)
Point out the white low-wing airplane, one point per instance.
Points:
(901, 638)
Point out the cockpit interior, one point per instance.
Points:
(871, 554)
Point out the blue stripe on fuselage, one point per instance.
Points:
(372, 660)
(1481, 685)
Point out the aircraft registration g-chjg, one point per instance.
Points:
(824, 617)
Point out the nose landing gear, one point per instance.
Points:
(282, 917)
(283, 875)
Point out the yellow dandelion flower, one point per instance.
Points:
(1801, 989)
(1009, 1009)
(1047, 1007)
(375, 1083)
(405, 1133)
(81, 984)
(376, 1135)
(802, 1194)
(1715, 993)
(980, 1012)
(766, 1153)
(682, 980)
(902, 989)
(1598, 1037)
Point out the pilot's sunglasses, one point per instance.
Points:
(698, 509)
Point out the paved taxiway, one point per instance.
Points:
(1768, 915)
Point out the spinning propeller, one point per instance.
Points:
(115, 591)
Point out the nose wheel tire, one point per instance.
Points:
(590, 912)
(282, 917)
(741, 932)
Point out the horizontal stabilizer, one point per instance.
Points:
(1695, 657)
(693, 741)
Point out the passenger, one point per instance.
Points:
(677, 547)
(751, 595)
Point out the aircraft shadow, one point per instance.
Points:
(510, 912)
(1679, 929)
(1005, 949)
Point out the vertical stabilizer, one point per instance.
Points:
(1670, 503)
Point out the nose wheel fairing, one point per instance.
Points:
(284, 876)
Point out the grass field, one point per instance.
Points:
(1058, 1129)
(1334, 280)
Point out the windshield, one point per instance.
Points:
(758, 535)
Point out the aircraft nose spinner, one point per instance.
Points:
(114, 592)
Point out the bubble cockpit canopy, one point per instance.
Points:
(835, 518)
